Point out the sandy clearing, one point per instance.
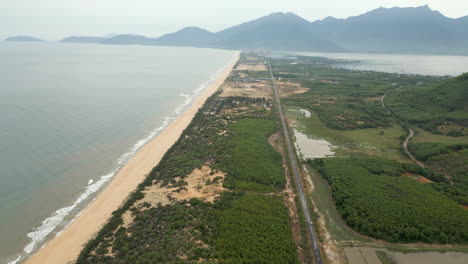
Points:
(261, 89)
(251, 67)
(252, 90)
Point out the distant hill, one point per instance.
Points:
(441, 104)
(83, 39)
(417, 30)
(189, 36)
(128, 39)
(24, 38)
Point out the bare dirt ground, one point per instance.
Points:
(331, 248)
(203, 184)
(261, 89)
(253, 90)
(199, 185)
(418, 178)
(290, 88)
(372, 99)
(252, 67)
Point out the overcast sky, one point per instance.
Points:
(55, 19)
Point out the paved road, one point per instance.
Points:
(295, 170)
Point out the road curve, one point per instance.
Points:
(295, 170)
(405, 146)
(407, 139)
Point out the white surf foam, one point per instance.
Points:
(48, 225)
(15, 261)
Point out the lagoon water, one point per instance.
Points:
(72, 114)
(399, 63)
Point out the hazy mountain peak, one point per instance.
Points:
(128, 39)
(194, 29)
(289, 16)
(110, 35)
(23, 38)
(426, 7)
(187, 36)
(83, 39)
(329, 19)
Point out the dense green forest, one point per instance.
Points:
(255, 229)
(251, 163)
(427, 150)
(440, 108)
(374, 199)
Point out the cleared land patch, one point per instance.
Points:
(252, 67)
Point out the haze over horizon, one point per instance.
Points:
(54, 19)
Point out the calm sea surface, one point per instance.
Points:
(400, 63)
(72, 114)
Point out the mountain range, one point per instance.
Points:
(417, 30)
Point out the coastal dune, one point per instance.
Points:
(66, 247)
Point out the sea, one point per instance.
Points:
(71, 115)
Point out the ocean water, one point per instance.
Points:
(72, 115)
(399, 63)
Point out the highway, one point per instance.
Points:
(295, 171)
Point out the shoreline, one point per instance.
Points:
(67, 245)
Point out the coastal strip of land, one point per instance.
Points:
(67, 245)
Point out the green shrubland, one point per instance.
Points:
(440, 108)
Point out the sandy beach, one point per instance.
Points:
(67, 245)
